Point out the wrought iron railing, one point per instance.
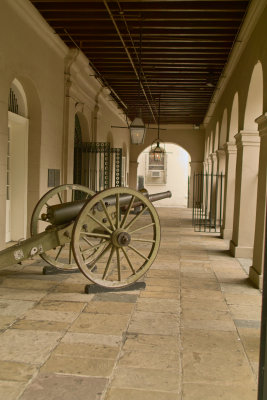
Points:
(208, 202)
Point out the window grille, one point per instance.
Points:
(13, 102)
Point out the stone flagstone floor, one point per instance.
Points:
(191, 334)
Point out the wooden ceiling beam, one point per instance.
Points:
(183, 43)
(149, 25)
(187, 15)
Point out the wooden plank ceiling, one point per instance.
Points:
(178, 49)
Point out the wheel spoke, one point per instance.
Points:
(119, 263)
(60, 199)
(142, 227)
(128, 260)
(99, 223)
(136, 218)
(117, 210)
(94, 234)
(94, 247)
(107, 214)
(108, 263)
(92, 264)
(138, 252)
(127, 212)
(91, 255)
(143, 240)
(70, 254)
(59, 251)
(87, 241)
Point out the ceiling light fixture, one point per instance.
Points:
(156, 150)
(137, 127)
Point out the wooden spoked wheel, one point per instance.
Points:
(124, 227)
(61, 257)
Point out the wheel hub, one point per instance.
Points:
(121, 238)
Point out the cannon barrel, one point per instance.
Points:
(65, 213)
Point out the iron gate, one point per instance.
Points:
(208, 202)
(97, 165)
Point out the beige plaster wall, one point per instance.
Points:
(30, 53)
(57, 85)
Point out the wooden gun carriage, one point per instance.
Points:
(113, 236)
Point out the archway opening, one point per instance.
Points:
(254, 105)
(17, 164)
(223, 133)
(233, 129)
(172, 174)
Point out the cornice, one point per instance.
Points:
(27, 12)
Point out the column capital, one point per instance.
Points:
(214, 156)
(262, 124)
(195, 162)
(230, 147)
(247, 138)
(262, 119)
(220, 152)
(134, 162)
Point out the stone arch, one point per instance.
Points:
(34, 113)
(174, 177)
(233, 126)
(84, 126)
(223, 132)
(17, 163)
(17, 101)
(211, 142)
(207, 147)
(216, 138)
(254, 103)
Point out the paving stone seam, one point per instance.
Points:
(119, 355)
(57, 343)
(180, 344)
(237, 331)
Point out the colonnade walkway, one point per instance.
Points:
(191, 334)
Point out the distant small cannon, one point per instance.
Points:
(72, 227)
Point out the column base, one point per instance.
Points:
(240, 252)
(255, 278)
(227, 233)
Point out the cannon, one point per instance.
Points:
(112, 236)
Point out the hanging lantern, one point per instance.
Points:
(137, 131)
(157, 152)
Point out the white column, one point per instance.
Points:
(133, 174)
(196, 168)
(229, 190)
(256, 269)
(68, 140)
(213, 200)
(3, 165)
(247, 164)
(208, 183)
(220, 184)
(221, 161)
